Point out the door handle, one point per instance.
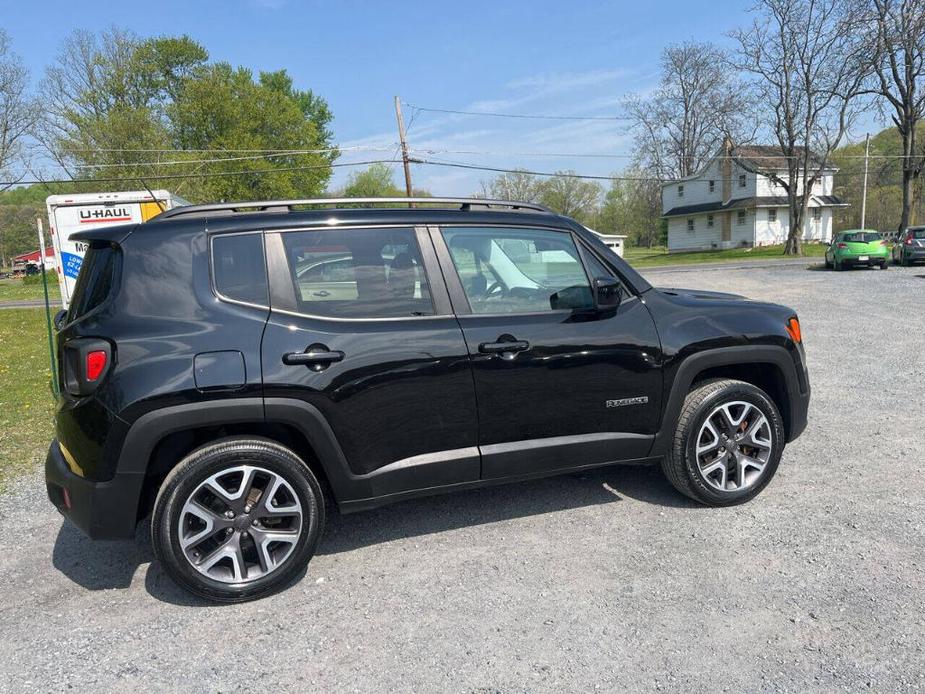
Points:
(313, 357)
(502, 347)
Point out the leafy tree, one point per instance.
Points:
(139, 110)
(375, 182)
(571, 196)
(633, 207)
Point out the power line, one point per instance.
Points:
(214, 174)
(598, 155)
(293, 153)
(516, 115)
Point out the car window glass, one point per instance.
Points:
(508, 270)
(358, 273)
(239, 269)
(94, 281)
(917, 233)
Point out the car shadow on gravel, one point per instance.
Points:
(113, 565)
(447, 512)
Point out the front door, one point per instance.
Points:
(359, 330)
(558, 384)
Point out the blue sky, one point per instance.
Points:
(538, 57)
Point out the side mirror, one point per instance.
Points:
(59, 319)
(608, 292)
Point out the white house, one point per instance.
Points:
(733, 201)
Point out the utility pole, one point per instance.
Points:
(51, 341)
(404, 148)
(864, 196)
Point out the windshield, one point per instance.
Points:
(861, 237)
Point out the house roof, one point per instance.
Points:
(771, 157)
(33, 257)
(749, 203)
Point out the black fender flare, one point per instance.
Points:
(796, 392)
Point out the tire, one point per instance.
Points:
(903, 260)
(836, 265)
(265, 542)
(827, 263)
(883, 265)
(684, 467)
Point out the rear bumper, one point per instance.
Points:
(913, 256)
(871, 260)
(102, 510)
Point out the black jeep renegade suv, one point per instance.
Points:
(223, 367)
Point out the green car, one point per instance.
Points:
(857, 247)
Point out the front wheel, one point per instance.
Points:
(727, 444)
(237, 519)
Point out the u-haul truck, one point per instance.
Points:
(68, 214)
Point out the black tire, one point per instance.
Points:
(836, 265)
(883, 265)
(209, 460)
(903, 260)
(681, 465)
(827, 263)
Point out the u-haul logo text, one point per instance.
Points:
(106, 214)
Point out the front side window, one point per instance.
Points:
(358, 273)
(238, 268)
(507, 270)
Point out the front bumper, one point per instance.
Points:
(102, 510)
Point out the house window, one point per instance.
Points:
(817, 214)
(740, 217)
(690, 224)
(680, 191)
(710, 218)
(712, 186)
(742, 180)
(772, 215)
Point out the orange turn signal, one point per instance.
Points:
(793, 329)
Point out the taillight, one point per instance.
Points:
(908, 241)
(96, 363)
(793, 329)
(883, 243)
(843, 245)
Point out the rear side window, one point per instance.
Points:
(95, 280)
(238, 268)
(917, 233)
(358, 273)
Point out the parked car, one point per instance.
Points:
(382, 354)
(857, 247)
(910, 248)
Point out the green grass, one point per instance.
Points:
(659, 255)
(26, 402)
(20, 289)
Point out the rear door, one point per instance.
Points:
(558, 384)
(361, 328)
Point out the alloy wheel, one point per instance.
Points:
(240, 524)
(734, 446)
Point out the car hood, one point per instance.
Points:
(700, 294)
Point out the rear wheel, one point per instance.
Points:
(727, 444)
(237, 519)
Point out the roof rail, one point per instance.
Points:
(276, 206)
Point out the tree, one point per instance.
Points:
(571, 196)
(518, 186)
(698, 102)
(17, 111)
(137, 110)
(806, 58)
(374, 182)
(632, 207)
(898, 39)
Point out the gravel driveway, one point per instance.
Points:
(608, 580)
